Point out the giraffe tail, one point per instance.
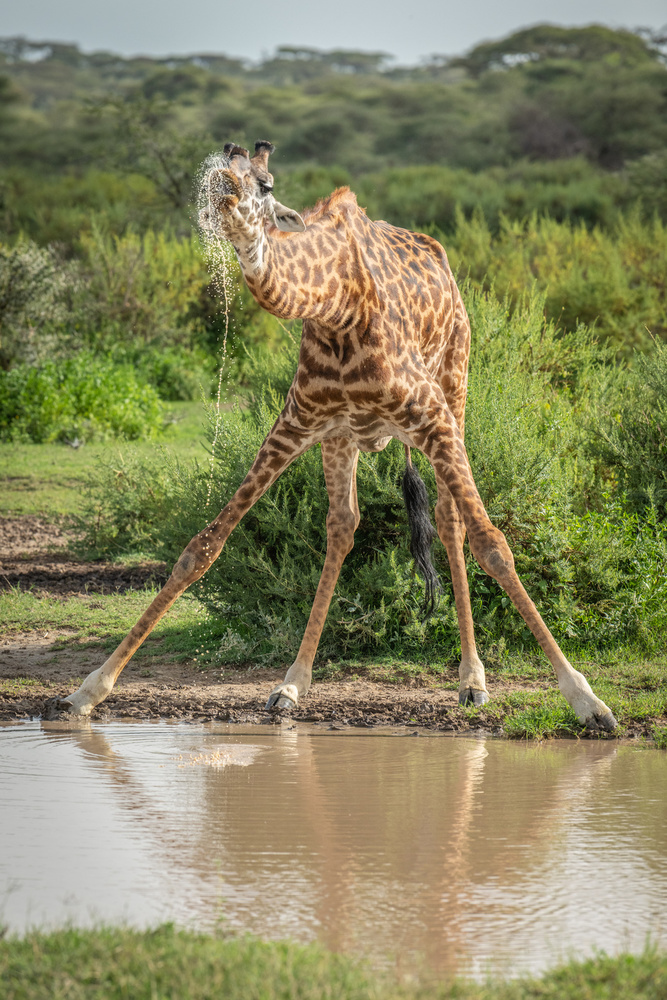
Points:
(422, 532)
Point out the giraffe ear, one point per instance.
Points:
(287, 219)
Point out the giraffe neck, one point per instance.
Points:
(306, 275)
(249, 246)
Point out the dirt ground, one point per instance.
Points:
(179, 690)
(38, 668)
(33, 554)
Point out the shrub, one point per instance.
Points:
(174, 372)
(632, 436)
(141, 289)
(125, 504)
(610, 280)
(423, 196)
(34, 289)
(81, 397)
(586, 568)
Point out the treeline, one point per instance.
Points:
(539, 161)
(544, 93)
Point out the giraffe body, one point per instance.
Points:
(384, 354)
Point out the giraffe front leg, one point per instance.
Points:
(339, 458)
(282, 445)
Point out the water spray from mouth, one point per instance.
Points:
(219, 255)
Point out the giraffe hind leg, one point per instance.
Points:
(442, 442)
(472, 681)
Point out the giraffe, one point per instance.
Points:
(383, 355)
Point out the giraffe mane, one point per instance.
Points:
(342, 197)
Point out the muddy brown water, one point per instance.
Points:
(457, 855)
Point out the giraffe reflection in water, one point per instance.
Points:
(454, 852)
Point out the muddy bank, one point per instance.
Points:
(36, 667)
(47, 664)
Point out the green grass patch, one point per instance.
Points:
(168, 964)
(104, 618)
(14, 685)
(47, 479)
(542, 722)
(659, 734)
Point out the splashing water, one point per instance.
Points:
(220, 257)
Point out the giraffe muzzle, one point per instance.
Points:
(223, 183)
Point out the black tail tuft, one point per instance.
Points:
(422, 534)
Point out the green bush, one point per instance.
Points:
(140, 290)
(611, 280)
(176, 373)
(423, 196)
(81, 397)
(35, 285)
(632, 436)
(126, 503)
(54, 208)
(583, 556)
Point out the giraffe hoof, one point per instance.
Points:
(54, 708)
(471, 696)
(601, 723)
(285, 696)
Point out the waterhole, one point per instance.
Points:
(463, 855)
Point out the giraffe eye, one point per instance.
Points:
(264, 187)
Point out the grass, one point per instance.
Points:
(46, 479)
(106, 618)
(659, 734)
(165, 963)
(635, 688)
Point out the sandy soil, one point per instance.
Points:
(40, 667)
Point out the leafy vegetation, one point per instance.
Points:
(633, 437)
(611, 280)
(79, 398)
(594, 564)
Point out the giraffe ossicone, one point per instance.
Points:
(384, 354)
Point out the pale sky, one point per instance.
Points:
(254, 28)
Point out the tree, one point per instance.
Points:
(147, 141)
(550, 42)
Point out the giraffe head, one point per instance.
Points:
(236, 196)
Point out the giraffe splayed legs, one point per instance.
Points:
(384, 354)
